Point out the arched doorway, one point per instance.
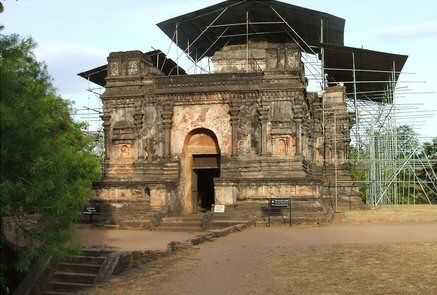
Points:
(201, 164)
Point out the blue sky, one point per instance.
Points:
(77, 35)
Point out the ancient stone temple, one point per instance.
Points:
(249, 130)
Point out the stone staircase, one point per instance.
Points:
(304, 210)
(78, 273)
(184, 223)
(221, 220)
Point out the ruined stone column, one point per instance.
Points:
(105, 118)
(297, 110)
(138, 121)
(264, 117)
(234, 111)
(167, 115)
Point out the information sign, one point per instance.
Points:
(219, 208)
(282, 203)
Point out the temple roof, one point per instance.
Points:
(374, 70)
(203, 32)
(209, 29)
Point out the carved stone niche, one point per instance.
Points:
(128, 63)
(124, 151)
(284, 145)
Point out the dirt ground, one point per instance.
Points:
(339, 259)
(391, 214)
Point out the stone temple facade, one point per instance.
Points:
(247, 132)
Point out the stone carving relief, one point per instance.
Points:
(281, 147)
(152, 139)
(132, 67)
(149, 150)
(114, 68)
(123, 137)
(249, 130)
(124, 152)
(282, 129)
(282, 58)
(284, 146)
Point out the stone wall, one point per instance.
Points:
(268, 128)
(214, 117)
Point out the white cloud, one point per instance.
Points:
(416, 31)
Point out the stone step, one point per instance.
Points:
(182, 224)
(177, 221)
(261, 223)
(136, 224)
(230, 217)
(183, 218)
(96, 252)
(179, 229)
(56, 293)
(67, 287)
(78, 267)
(73, 277)
(87, 259)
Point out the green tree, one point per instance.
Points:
(428, 173)
(47, 167)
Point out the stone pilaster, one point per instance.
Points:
(234, 111)
(263, 110)
(106, 125)
(298, 122)
(138, 121)
(167, 116)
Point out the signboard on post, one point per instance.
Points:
(279, 204)
(91, 211)
(219, 208)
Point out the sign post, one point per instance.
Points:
(219, 209)
(280, 203)
(91, 211)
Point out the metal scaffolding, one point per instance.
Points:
(90, 115)
(388, 161)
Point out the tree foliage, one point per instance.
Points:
(47, 167)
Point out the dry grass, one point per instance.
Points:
(347, 269)
(392, 214)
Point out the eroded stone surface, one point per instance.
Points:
(260, 128)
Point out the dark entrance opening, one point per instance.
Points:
(206, 168)
(205, 187)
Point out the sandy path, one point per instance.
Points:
(241, 263)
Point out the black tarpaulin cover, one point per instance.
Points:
(307, 24)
